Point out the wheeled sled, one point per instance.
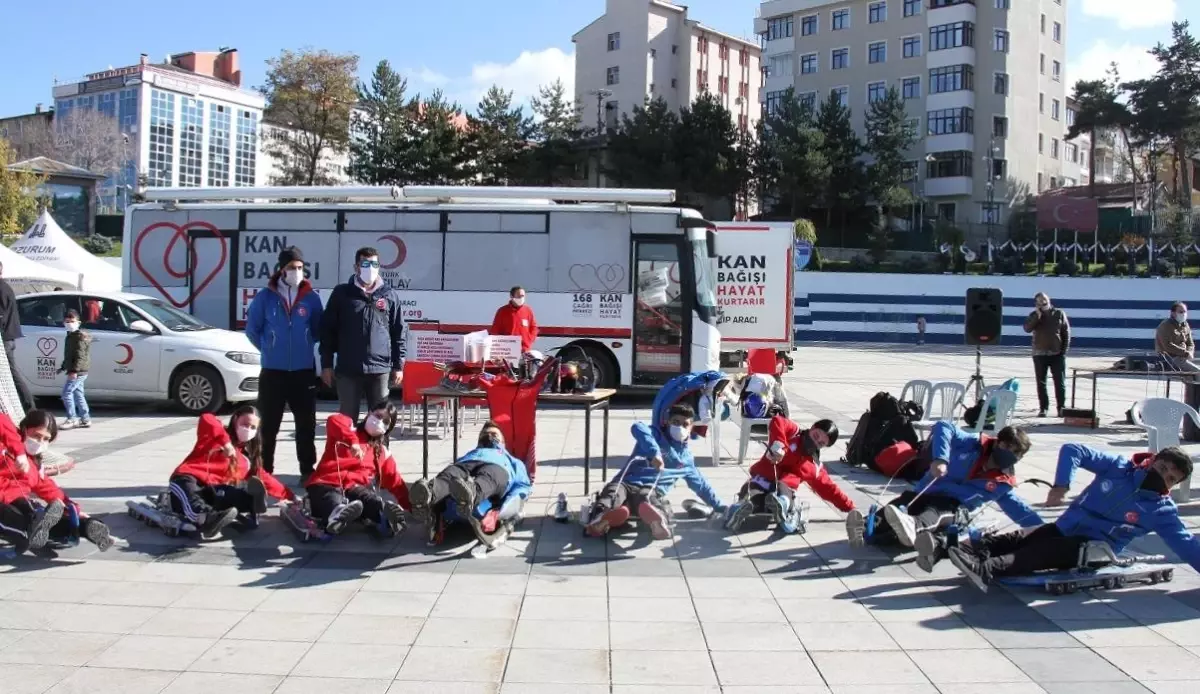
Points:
(1099, 568)
(771, 513)
(156, 511)
(508, 519)
(297, 516)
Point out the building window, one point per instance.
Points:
(840, 19)
(1056, 71)
(723, 52)
(999, 169)
(1054, 109)
(912, 8)
(107, 104)
(948, 121)
(159, 170)
(773, 99)
(908, 171)
(1000, 83)
(1041, 102)
(743, 57)
(877, 52)
(876, 91)
(702, 45)
(842, 94)
(911, 88)
(912, 46)
(808, 64)
(877, 12)
(953, 35)
(951, 78)
(702, 80)
(1071, 152)
(1041, 63)
(191, 141)
(1000, 41)
(1070, 117)
(1041, 143)
(1054, 148)
(744, 90)
(743, 122)
(948, 164)
(937, 4)
(808, 101)
(989, 213)
(780, 65)
(808, 25)
(247, 148)
(1043, 23)
(1058, 32)
(218, 145)
(1041, 182)
(127, 110)
(999, 126)
(840, 58)
(1001, 4)
(614, 41)
(613, 75)
(779, 28)
(722, 84)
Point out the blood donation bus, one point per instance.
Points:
(637, 283)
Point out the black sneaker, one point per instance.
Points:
(98, 534)
(393, 518)
(1042, 412)
(970, 566)
(216, 521)
(1060, 413)
(39, 532)
(420, 496)
(342, 516)
(258, 492)
(930, 550)
(464, 492)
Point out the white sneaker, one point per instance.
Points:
(68, 424)
(856, 529)
(904, 525)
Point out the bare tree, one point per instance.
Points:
(85, 138)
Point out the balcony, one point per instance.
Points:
(777, 46)
(946, 11)
(948, 187)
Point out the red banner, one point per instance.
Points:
(1061, 212)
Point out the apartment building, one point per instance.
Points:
(977, 75)
(646, 49)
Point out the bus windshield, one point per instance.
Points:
(706, 284)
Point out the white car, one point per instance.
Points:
(142, 349)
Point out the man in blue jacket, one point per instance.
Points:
(363, 329)
(1126, 500)
(484, 481)
(283, 323)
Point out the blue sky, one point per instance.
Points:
(461, 46)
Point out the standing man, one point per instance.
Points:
(1173, 339)
(283, 322)
(10, 330)
(515, 318)
(1051, 338)
(362, 327)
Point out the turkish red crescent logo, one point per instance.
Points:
(401, 251)
(1131, 517)
(179, 233)
(301, 311)
(381, 304)
(128, 354)
(991, 486)
(47, 345)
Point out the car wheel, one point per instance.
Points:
(199, 389)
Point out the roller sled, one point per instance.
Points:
(298, 516)
(156, 511)
(492, 529)
(789, 516)
(1099, 568)
(664, 506)
(67, 510)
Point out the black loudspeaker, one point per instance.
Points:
(984, 316)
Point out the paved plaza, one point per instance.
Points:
(552, 611)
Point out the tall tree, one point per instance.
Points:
(312, 93)
(889, 138)
(705, 144)
(18, 194)
(442, 151)
(742, 171)
(558, 117)
(1097, 111)
(789, 165)
(845, 187)
(381, 130)
(84, 137)
(501, 133)
(641, 150)
(555, 156)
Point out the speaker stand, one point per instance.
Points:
(977, 377)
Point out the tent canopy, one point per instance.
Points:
(26, 276)
(47, 244)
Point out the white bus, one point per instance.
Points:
(619, 272)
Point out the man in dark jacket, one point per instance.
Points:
(1051, 338)
(362, 327)
(283, 322)
(10, 330)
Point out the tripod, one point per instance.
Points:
(977, 377)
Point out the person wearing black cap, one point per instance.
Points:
(283, 323)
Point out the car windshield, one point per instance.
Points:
(171, 317)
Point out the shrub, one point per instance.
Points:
(1160, 268)
(861, 264)
(1067, 267)
(97, 244)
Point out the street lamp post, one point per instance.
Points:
(920, 194)
(601, 95)
(991, 196)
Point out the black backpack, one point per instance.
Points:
(888, 421)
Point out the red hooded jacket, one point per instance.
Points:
(516, 320)
(339, 468)
(210, 466)
(798, 467)
(16, 483)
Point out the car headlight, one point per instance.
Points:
(247, 358)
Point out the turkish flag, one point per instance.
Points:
(1062, 212)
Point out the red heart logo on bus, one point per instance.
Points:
(180, 233)
(47, 345)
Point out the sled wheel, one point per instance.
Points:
(129, 512)
(1054, 588)
(1118, 582)
(1154, 578)
(172, 532)
(1069, 588)
(1168, 575)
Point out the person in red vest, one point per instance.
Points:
(515, 318)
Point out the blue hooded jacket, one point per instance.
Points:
(654, 440)
(518, 478)
(970, 487)
(1115, 508)
(285, 335)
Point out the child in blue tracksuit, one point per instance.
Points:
(485, 480)
(968, 471)
(1126, 500)
(660, 459)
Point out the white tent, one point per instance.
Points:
(26, 276)
(46, 243)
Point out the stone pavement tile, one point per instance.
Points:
(208, 682)
(467, 633)
(564, 634)
(740, 588)
(1180, 633)
(662, 668)
(32, 679)
(308, 600)
(643, 567)
(543, 584)
(26, 615)
(326, 685)
(1043, 634)
(586, 565)
(789, 588)
(373, 629)
(106, 570)
(1117, 634)
(153, 652)
(1164, 663)
(665, 689)
(762, 611)
(10, 584)
(100, 619)
(1074, 607)
(554, 666)
(991, 688)
(64, 590)
(1045, 664)
(222, 598)
(736, 668)
(709, 567)
(490, 584)
(392, 604)
(844, 636)
(1125, 687)
(750, 636)
(656, 636)
(1151, 608)
(56, 648)
(651, 610)
(453, 665)
(884, 689)
(176, 621)
(406, 581)
(280, 626)
(641, 586)
(251, 657)
(474, 607)
(936, 635)
(356, 661)
(581, 609)
(8, 636)
(143, 594)
(94, 680)
(850, 668)
(967, 667)
(802, 610)
(1180, 687)
(536, 688)
(400, 687)
(907, 608)
(502, 565)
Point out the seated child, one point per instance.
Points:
(660, 459)
(1126, 500)
(968, 471)
(345, 485)
(793, 457)
(478, 484)
(223, 474)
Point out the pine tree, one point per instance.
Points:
(704, 151)
(789, 165)
(442, 152)
(641, 150)
(381, 130)
(889, 138)
(500, 134)
(556, 155)
(845, 188)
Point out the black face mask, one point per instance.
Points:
(1154, 482)
(810, 446)
(1002, 458)
(490, 441)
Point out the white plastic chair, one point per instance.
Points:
(1162, 418)
(747, 425)
(1002, 402)
(709, 414)
(944, 399)
(917, 391)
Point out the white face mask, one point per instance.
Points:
(294, 277)
(71, 327)
(35, 447)
(374, 426)
(679, 433)
(518, 301)
(246, 433)
(368, 275)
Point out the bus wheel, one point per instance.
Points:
(607, 375)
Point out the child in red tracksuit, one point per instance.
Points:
(223, 475)
(22, 480)
(345, 485)
(793, 457)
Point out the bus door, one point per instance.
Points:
(662, 310)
